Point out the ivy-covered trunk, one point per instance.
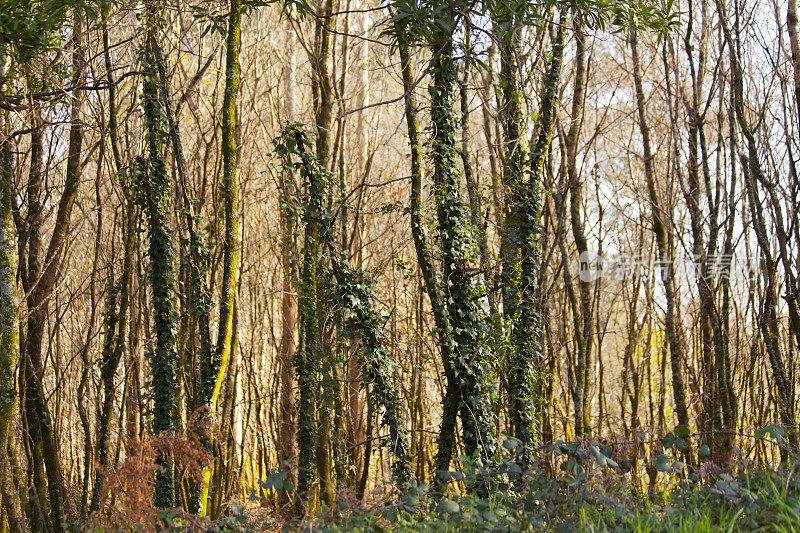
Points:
(322, 89)
(461, 289)
(430, 277)
(515, 158)
(363, 322)
(527, 358)
(155, 185)
(507, 32)
(115, 321)
(306, 358)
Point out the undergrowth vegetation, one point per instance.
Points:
(581, 487)
(586, 485)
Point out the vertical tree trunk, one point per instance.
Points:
(429, 276)
(213, 370)
(115, 321)
(322, 90)
(528, 355)
(306, 359)
(467, 324)
(584, 333)
(42, 276)
(508, 30)
(156, 190)
(753, 175)
(9, 307)
(287, 449)
(794, 43)
(660, 231)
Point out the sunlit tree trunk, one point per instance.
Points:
(780, 364)
(40, 280)
(583, 334)
(427, 269)
(213, 371)
(794, 43)
(528, 359)
(322, 91)
(9, 306)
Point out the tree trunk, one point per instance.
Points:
(287, 449)
(429, 275)
(660, 231)
(156, 190)
(213, 370)
(467, 324)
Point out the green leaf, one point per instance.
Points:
(662, 462)
(601, 459)
(449, 507)
(703, 452)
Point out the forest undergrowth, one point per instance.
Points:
(583, 485)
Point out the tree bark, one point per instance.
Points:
(660, 231)
(156, 190)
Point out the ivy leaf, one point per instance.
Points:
(703, 452)
(449, 507)
(662, 463)
(601, 459)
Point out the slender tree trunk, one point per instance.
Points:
(584, 333)
(116, 319)
(306, 358)
(426, 266)
(468, 357)
(156, 190)
(287, 449)
(528, 359)
(794, 42)
(42, 276)
(659, 229)
(213, 370)
(9, 306)
(754, 174)
(322, 91)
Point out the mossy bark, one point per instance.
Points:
(9, 306)
(660, 231)
(306, 358)
(213, 369)
(40, 277)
